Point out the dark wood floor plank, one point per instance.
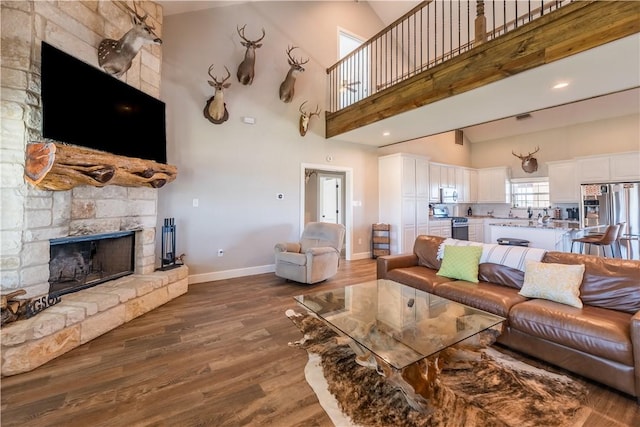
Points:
(216, 356)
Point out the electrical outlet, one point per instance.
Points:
(220, 252)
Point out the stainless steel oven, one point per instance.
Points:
(460, 228)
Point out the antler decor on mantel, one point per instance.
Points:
(54, 166)
(115, 56)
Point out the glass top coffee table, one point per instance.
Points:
(400, 331)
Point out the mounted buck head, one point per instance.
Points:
(246, 69)
(295, 67)
(529, 163)
(305, 117)
(216, 110)
(115, 56)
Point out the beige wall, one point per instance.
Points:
(236, 170)
(600, 137)
(439, 148)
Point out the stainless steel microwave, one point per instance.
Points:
(448, 195)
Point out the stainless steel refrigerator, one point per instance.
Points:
(605, 204)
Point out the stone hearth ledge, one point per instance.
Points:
(85, 315)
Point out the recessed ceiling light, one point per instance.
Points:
(561, 85)
(386, 133)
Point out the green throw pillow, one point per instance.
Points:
(461, 262)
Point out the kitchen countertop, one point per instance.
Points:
(552, 225)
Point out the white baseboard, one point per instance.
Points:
(230, 274)
(361, 255)
(250, 271)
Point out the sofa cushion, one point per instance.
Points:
(500, 275)
(593, 330)
(607, 283)
(496, 299)
(421, 278)
(554, 282)
(426, 249)
(510, 256)
(461, 262)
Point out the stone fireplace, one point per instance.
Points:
(34, 220)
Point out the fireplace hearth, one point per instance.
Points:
(80, 262)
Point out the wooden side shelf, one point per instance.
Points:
(380, 240)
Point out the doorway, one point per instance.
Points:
(326, 197)
(330, 198)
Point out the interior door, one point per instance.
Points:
(330, 192)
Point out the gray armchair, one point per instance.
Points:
(315, 257)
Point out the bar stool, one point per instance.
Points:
(609, 238)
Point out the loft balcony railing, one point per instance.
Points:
(426, 36)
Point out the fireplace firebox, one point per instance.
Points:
(80, 262)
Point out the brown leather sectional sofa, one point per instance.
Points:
(600, 341)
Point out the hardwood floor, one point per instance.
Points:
(217, 356)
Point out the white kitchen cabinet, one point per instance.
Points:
(434, 182)
(476, 230)
(625, 166)
(403, 198)
(610, 168)
(440, 228)
(563, 182)
(460, 184)
(493, 185)
(447, 176)
(467, 185)
(593, 169)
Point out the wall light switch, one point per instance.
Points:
(196, 203)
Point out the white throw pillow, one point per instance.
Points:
(554, 282)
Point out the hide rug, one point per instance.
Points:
(493, 389)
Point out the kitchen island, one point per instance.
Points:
(554, 236)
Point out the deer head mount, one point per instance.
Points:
(115, 56)
(216, 110)
(305, 117)
(529, 163)
(246, 69)
(295, 67)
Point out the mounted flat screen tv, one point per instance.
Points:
(82, 105)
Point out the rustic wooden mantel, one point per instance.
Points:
(54, 166)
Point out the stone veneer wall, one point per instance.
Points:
(30, 217)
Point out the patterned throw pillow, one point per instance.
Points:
(554, 282)
(461, 262)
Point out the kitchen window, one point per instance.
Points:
(530, 193)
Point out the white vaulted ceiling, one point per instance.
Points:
(603, 81)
